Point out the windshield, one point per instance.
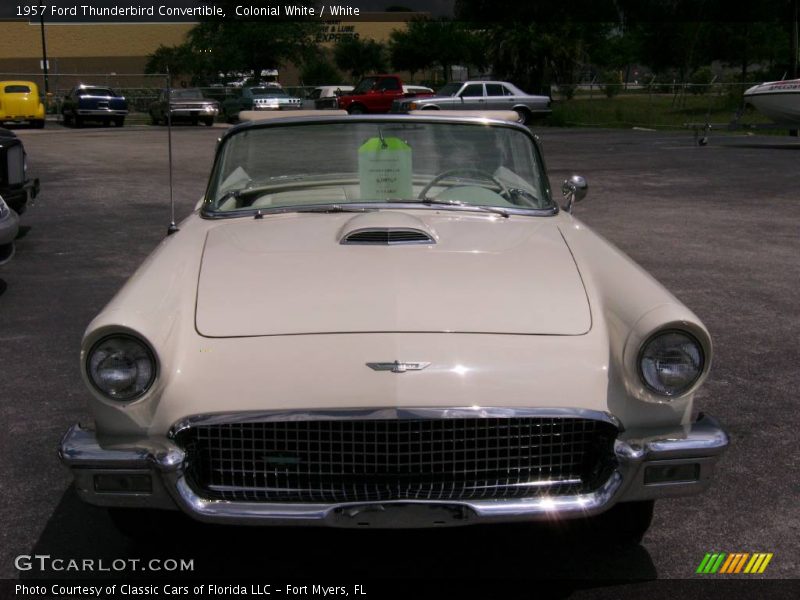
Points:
(190, 94)
(95, 92)
(365, 85)
(17, 89)
(377, 162)
(449, 89)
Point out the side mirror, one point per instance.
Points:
(574, 190)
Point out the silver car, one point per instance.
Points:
(480, 95)
(9, 225)
(184, 105)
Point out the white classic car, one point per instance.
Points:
(407, 332)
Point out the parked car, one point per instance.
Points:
(375, 94)
(480, 95)
(9, 226)
(20, 103)
(184, 105)
(409, 331)
(263, 97)
(94, 103)
(15, 185)
(324, 96)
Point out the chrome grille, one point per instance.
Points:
(385, 236)
(415, 459)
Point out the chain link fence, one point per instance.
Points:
(655, 105)
(140, 90)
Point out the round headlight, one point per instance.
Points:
(121, 367)
(671, 362)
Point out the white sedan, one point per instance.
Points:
(480, 95)
(411, 333)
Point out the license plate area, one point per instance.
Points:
(400, 515)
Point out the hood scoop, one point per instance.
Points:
(382, 229)
(387, 236)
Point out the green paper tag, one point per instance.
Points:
(384, 169)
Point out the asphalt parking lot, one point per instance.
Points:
(719, 226)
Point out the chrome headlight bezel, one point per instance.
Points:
(677, 392)
(145, 352)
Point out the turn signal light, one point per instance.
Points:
(671, 473)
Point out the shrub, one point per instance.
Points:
(567, 90)
(612, 83)
(700, 80)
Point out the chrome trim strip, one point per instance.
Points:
(373, 414)
(365, 206)
(531, 484)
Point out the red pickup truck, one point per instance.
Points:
(375, 94)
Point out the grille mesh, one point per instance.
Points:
(375, 460)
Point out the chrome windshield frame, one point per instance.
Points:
(206, 213)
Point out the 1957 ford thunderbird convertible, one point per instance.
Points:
(408, 333)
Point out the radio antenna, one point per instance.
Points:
(172, 226)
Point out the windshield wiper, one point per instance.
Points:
(331, 208)
(437, 202)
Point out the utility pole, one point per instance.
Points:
(794, 40)
(793, 63)
(44, 59)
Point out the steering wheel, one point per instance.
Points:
(464, 171)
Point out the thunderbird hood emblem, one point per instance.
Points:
(397, 366)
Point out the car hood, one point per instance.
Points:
(290, 274)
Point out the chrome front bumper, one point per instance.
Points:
(101, 112)
(186, 113)
(161, 460)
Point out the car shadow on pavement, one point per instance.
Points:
(3, 286)
(510, 552)
(788, 145)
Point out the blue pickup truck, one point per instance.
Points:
(94, 103)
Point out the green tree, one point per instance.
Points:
(408, 52)
(545, 41)
(428, 43)
(176, 59)
(235, 45)
(319, 71)
(359, 57)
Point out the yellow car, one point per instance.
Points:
(19, 101)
